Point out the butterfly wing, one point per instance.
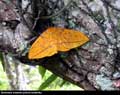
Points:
(56, 39)
(68, 39)
(43, 46)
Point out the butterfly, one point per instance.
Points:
(54, 40)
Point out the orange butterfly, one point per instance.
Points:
(56, 39)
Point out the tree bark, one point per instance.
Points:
(94, 66)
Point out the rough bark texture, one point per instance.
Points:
(95, 65)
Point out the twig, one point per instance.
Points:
(113, 7)
(58, 13)
(50, 16)
(21, 16)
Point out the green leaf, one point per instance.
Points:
(63, 82)
(42, 71)
(2, 60)
(1, 57)
(46, 83)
